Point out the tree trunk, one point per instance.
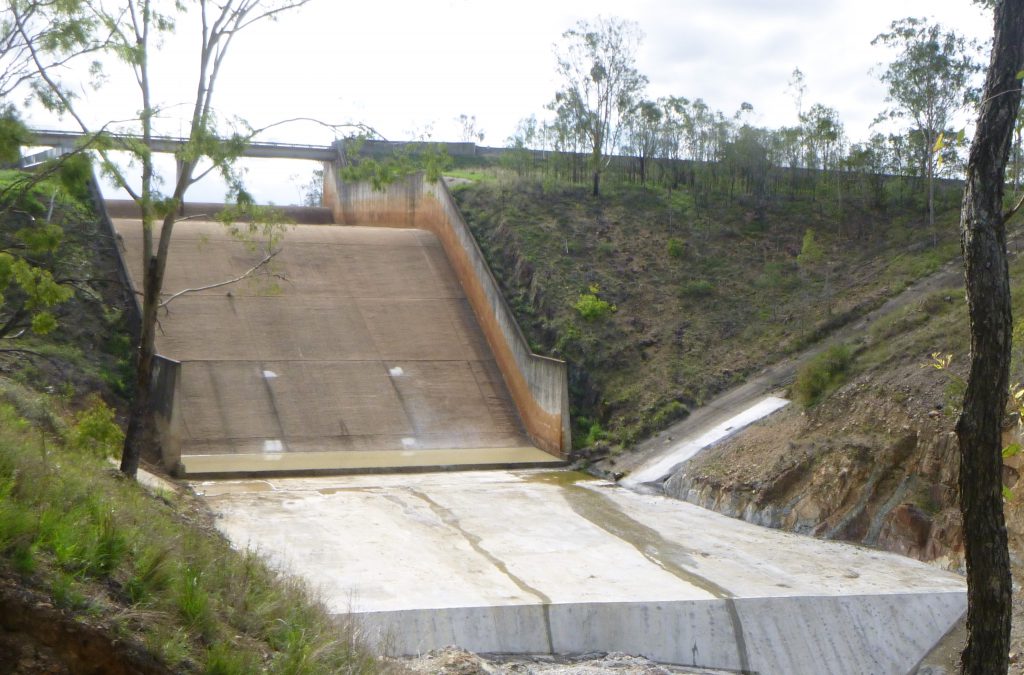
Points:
(931, 203)
(979, 428)
(141, 430)
(597, 182)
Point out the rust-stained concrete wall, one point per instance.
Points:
(538, 385)
(166, 393)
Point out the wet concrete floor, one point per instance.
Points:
(558, 562)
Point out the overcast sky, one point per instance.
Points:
(411, 68)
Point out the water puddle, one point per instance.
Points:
(559, 478)
(670, 556)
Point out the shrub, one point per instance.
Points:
(96, 431)
(668, 413)
(594, 434)
(822, 374)
(676, 247)
(697, 288)
(593, 308)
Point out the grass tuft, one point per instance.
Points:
(99, 544)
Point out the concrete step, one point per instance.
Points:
(364, 461)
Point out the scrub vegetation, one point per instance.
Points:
(140, 570)
(704, 296)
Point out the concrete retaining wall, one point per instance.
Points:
(538, 385)
(797, 635)
(103, 213)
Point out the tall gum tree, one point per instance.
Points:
(601, 85)
(133, 29)
(979, 427)
(928, 82)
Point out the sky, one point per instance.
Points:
(409, 69)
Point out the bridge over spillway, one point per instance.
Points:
(170, 144)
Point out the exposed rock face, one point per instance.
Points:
(876, 464)
(36, 637)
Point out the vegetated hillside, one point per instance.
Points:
(98, 574)
(698, 297)
(868, 452)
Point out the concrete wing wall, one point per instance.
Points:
(538, 385)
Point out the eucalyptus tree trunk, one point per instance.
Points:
(979, 428)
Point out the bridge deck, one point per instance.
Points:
(354, 350)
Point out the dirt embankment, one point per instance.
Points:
(37, 637)
(875, 464)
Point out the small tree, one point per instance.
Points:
(644, 135)
(811, 253)
(469, 131)
(601, 85)
(133, 28)
(928, 82)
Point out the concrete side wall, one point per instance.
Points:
(166, 397)
(801, 635)
(103, 213)
(538, 385)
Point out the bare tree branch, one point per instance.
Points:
(1009, 214)
(248, 273)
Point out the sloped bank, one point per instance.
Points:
(864, 467)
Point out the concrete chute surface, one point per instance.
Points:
(363, 355)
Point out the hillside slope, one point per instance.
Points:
(697, 300)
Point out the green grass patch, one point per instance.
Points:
(697, 288)
(101, 544)
(475, 175)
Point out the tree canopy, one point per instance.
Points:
(927, 82)
(600, 85)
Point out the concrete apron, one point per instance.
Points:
(557, 562)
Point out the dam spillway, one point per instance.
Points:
(354, 350)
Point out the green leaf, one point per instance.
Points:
(1011, 450)
(1007, 494)
(1019, 75)
(43, 323)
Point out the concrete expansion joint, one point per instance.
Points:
(451, 521)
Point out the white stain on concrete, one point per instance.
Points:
(273, 445)
(269, 374)
(396, 371)
(408, 442)
(662, 466)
